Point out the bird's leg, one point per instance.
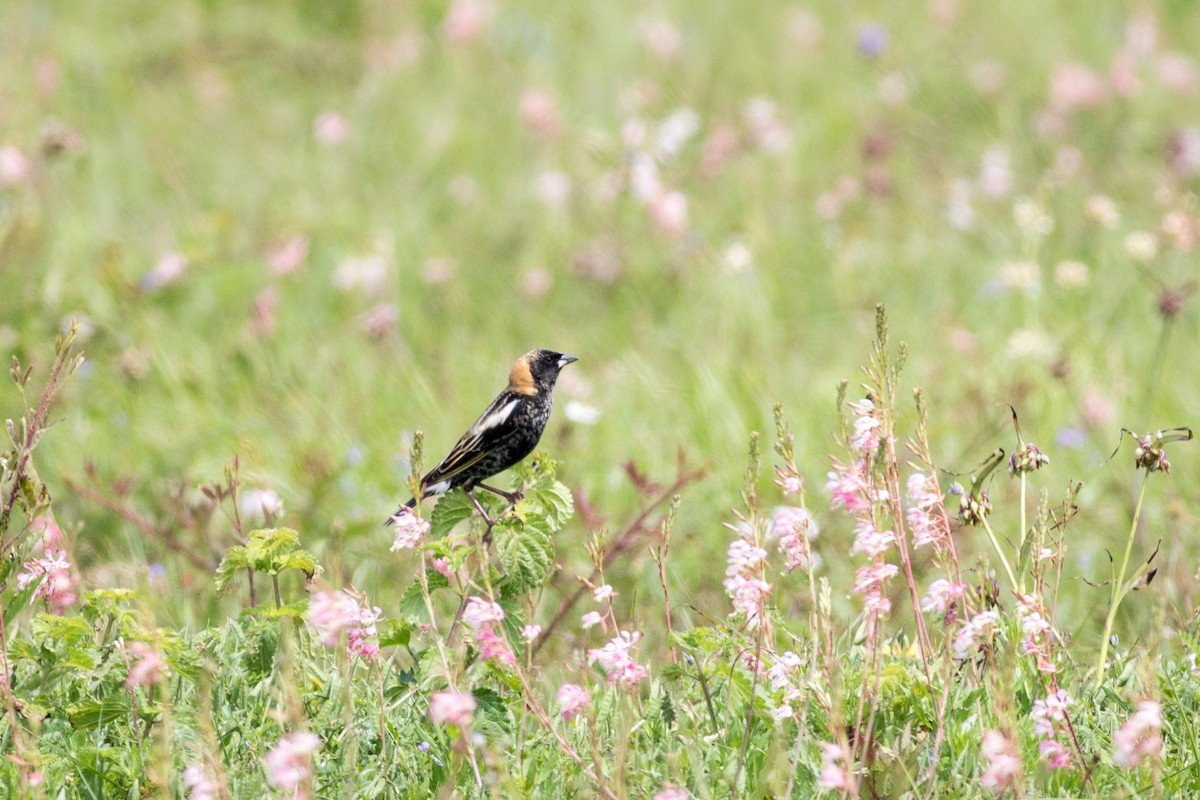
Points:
(490, 522)
(512, 497)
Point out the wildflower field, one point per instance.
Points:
(874, 479)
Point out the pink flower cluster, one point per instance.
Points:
(868, 434)
(869, 540)
(1049, 715)
(794, 527)
(835, 774)
(1037, 630)
(616, 659)
(743, 581)
(289, 764)
(1140, 737)
(57, 586)
(482, 616)
(332, 613)
(1004, 768)
(941, 595)
(200, 785)
(572, 699)
(847, 486)
(410, 530)
(147, 667)
(926, 513)
(968, 638)
(869, 582)
(452, 708)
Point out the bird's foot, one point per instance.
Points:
(512, 497)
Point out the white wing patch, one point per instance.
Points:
(438, 488)
(497, 417)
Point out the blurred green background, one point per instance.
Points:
(295, 232)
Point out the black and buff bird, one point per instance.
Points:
(503, 435)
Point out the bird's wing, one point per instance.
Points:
(488, 431)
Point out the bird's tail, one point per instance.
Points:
(412, 503)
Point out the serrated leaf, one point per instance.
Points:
(556, 503)
(451, 509)
(266, 546)
(302, 560)
(412, 602)
(235, 559)
(525, 550)
(68, 630)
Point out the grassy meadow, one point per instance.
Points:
(291, 235)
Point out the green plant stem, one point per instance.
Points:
(1024, 531)
(1012, 578)
(1118, 585)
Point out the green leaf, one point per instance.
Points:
(235, 559)
(302, 560)
(396, 633)
(92, 714)
(556, 503)
(21, 599)
(68, 630)
(412, 602)
(451, 509)
(525, 550)
(266, 547)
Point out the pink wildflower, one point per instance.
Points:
(531, 632)
(1004, 768)
(871, 541)
(926, 512)
(479, 612)
(289, 764)
(669, 212)
(147, 665)
(847, 486)
(867, 435)
(493, 647)
(363, 639)
(572, 699)
(1075, 86)
(466, 20)
(14, 166)
(669, 792)
(602, 593)
(199, 784)
(794, 527)
(616, 659)
(749, 595)
(53, 571)
(330, 128)
(452, 708)
(969, 635)
(591, 619)
(941, 595)
(1054, 754)
(410, 530)
(288, 257)
(331, 613)
(834, 774)
(1139, 738)
(539, 112)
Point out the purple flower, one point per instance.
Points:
(872, 40)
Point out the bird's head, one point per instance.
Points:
(536, 371)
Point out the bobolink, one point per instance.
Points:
(503, 435)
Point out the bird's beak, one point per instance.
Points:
(564, 360)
